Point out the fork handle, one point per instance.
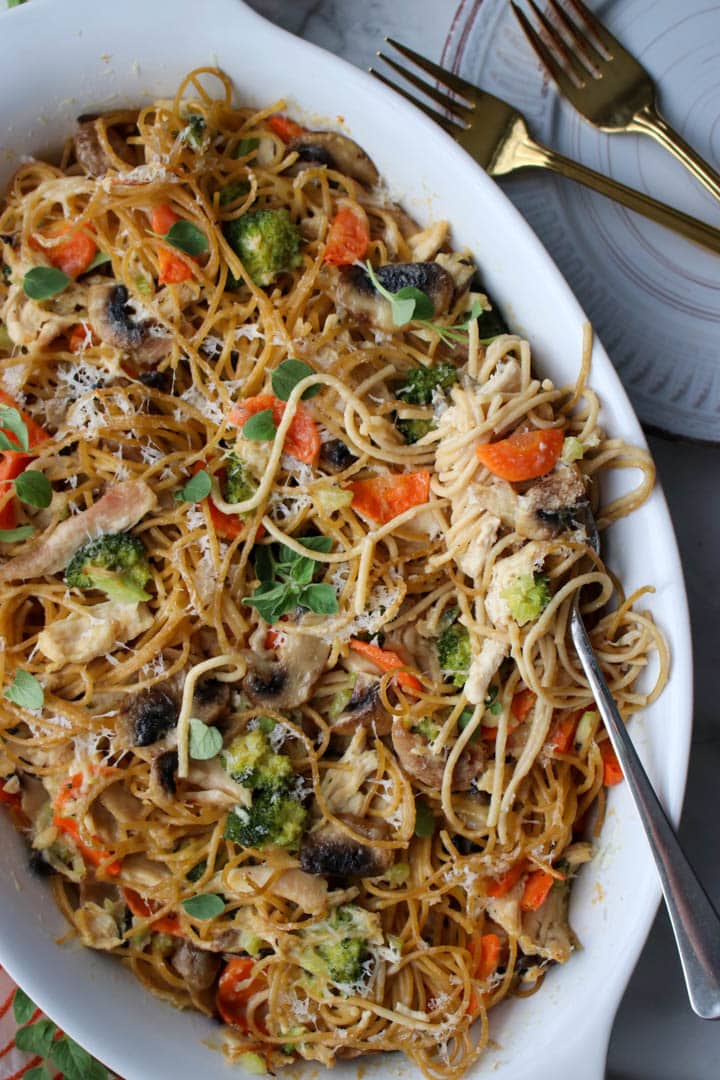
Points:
(648, 121)
(694, 921)
(531, 154)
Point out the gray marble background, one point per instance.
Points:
(656, 1036)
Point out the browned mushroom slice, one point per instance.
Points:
(90, 151)
(210, 700)
(417, 759)
(197, 967)
(287, 681)
(328, 850)
(364, 709)
(337, 152)
(553, 504)
(111, 317)
(357, 294)
(335, 456)
(151, 714)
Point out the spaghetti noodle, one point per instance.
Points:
(290, 713)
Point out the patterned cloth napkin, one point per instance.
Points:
(44, 1052)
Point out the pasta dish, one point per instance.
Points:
(290, 532)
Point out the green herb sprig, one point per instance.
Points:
(205, 741)
(288, 374)
(204, 906)
(186, 237)
(44, 1039)
(44, 282)
(31, 487)
(286, 580)
(25, 691)
(197, 488)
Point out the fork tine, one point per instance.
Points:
(567, 87)
(580, 41)
(573, 61)
(445, 123)
(608, 42)
(436, 95)
(460, 86)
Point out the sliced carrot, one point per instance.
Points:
(172, 267)
(612, 770)
(36, 433)
(521, 704)
(74, 254)
(78, 337)
(272, 638)
(228, 526)
(563, 733)
(302, 440)
(485, 952)
(73, 785)
(284, 127)
(473, 1004)
(387, 660)
(502, 885)
(348, 237)
(537, 887)
(235, 989)
(144, 909)
(11, 465)
(382, 498)
(93, 855)
(522, 456)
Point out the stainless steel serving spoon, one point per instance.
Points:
(695, 922)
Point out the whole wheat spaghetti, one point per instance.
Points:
(290, 534)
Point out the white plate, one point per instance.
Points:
(653, 297)
(135, 53)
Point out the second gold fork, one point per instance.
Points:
(496, 135)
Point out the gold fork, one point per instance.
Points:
(604, 82)
(496, 135)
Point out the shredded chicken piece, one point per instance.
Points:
(121, 507)
(82, 637)
(341, 783)
(308, 891)
(482, 668)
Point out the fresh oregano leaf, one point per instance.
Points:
(197, 488)
(424, 819)
(36, 1038)
(74, 1062)
(186, 237)
(260, 427)
(288, 374)
(11, 536)
(39, 1072)
(320, 598)
(423, 307)
(12, 421)
(100, 259)
(33, 487)
(314, 543)
(204, 906)
(205, 741)
(23, 1007)
(25, 691)
(43, 282)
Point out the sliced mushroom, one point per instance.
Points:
(164, 771)
(328, 850)
(111, 317)
(335, 456)
(287, 681)
(151, 714)
(198, 968)
(89, 149)
(363, 709)
(357, 294)
(210, 700)
(417, 759)
(336, 151)
(552, 505)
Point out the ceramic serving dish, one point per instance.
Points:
(60, 60)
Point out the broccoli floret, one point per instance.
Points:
(454, 653)
(427, 728)
(422, 382)
(250, 760)
(340, 946)
(238, 485)
(413, 430)
(194, 133)
(527, 596)
(266, 242)
(275, 815)
(116, 563)
(273, 818)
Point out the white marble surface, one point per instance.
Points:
(656, 1036)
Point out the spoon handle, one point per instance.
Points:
(695, 922)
